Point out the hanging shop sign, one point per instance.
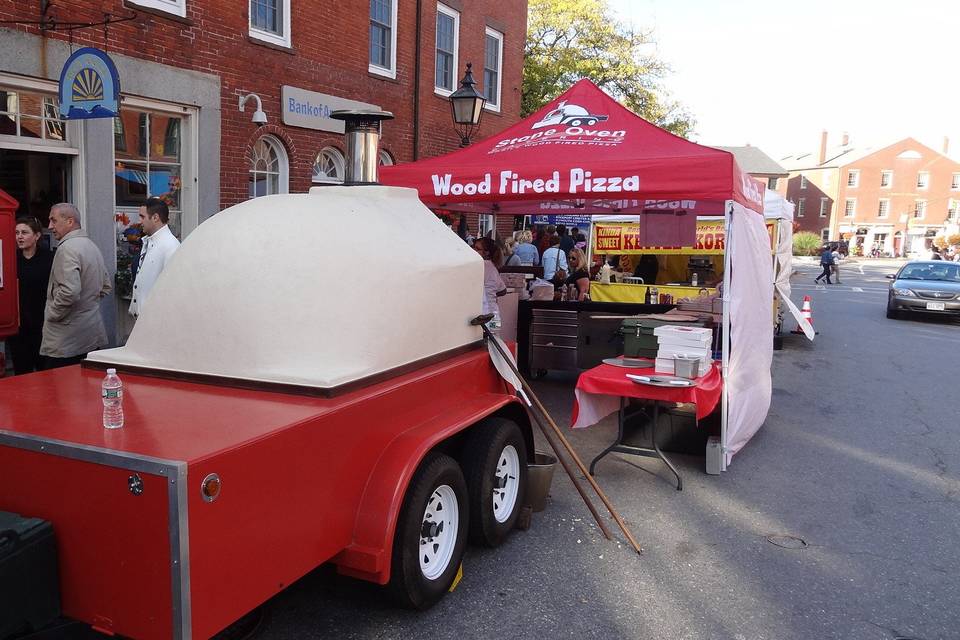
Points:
(89, 86)
(568, 221)
(311, 110)
(624, 239)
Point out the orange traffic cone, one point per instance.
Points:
(806, 312)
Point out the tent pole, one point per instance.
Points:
(725, 329)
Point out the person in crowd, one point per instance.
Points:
(72, 324)
(566, 242)
(647, 268)
(33, 273)
(507, 257)
(543, 243)
(935, 254)
(579, 275)
(493, 285)
(835, 267)
(826, 261)
(525, 250)
(159, 245)
(553, 259)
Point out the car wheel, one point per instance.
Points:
(495, 465)
(431, 533)
(590, 122)
(576, 122)
(892, 313)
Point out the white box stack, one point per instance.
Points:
(692, 342)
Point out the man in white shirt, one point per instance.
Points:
(159, 244)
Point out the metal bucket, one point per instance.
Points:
(539, 477)
(686, 367)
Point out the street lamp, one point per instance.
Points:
(466, 104)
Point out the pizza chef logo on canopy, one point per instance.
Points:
(566, 124)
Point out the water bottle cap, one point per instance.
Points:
(111, 372)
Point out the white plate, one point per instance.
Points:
(935, 306)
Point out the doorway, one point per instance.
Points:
(37, 180)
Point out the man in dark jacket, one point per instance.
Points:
(826, 261)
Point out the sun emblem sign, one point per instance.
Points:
(89, 86)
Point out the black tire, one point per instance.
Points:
(575, 122)
(494, 451)
(590, 122)
(891, 312)
(409, 584)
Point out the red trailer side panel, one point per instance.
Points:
(9, 291)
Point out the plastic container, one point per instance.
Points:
(686, 367)
(111, 391)
(539, 478)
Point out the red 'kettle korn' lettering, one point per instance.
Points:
(579, 181)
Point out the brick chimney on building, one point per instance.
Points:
(823, 147)
(846, 138)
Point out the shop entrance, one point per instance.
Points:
(37, 180)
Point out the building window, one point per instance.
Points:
(772, 183)
(485, 222)
(269, 168)
(492, 68)
(176, 7)
(923, 180)
(448, 36)
(385, 158)
(824, 207)
(883, 210)
(850, 208)
(803, 182)
(801, 205)
(329, 166)
(30, 116)
(270, 21)
(155, 169)
(886, 178)
(383, 37)
(955, 181)
(853, 178)
(824, 234)
(920, 209)
(952, 209)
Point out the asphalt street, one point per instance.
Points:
(858, 459)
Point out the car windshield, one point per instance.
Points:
(945, 272)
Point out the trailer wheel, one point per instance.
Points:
(431, 533)
(576, 122)
(495, 464)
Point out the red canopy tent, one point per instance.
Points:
(582, 153)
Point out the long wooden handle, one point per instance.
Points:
(566, 444)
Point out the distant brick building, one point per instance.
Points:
(184, 66)
(896, 197)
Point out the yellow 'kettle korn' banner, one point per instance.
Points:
(624, 238)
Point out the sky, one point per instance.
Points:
(776, 74)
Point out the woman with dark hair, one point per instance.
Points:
(33, 273)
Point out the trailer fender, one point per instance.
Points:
(368, 556)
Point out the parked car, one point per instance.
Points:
(927, 286)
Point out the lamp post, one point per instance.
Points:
(466, 105)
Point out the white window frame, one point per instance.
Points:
(917, 208)
(848, 210)
(485, 224)
(880, 212)
(801, 206)
(189, 156)
(452, 13)
(825, 234)
(173, 7)
(824, 207)
(890, 182)
(803, 181)
(955, 181)
(283, 158)
(377, 69)
(926, 183)
(281, 40)
(384, 159)
(853, 178)
(338, 159)
(493, 33)
(953, 209)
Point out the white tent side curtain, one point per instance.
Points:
(748, 383)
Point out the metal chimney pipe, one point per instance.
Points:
(362, 141)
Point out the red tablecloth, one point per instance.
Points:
(599, 391)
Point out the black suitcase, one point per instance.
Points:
(29, 587)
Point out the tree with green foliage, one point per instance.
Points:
(572, 39)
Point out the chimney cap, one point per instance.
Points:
(361, 114)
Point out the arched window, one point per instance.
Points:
(385, 158)
(328, 167)
(269, 168)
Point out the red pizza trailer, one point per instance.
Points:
(275, 419)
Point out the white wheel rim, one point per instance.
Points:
(438, 533)
(507, 484)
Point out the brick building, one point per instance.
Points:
(876, 196)
(184, 66)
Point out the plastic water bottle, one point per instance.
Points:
(112, 393)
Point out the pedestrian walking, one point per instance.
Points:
(72, 324)
(159, 245)
(836, 265)
(826, 261)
